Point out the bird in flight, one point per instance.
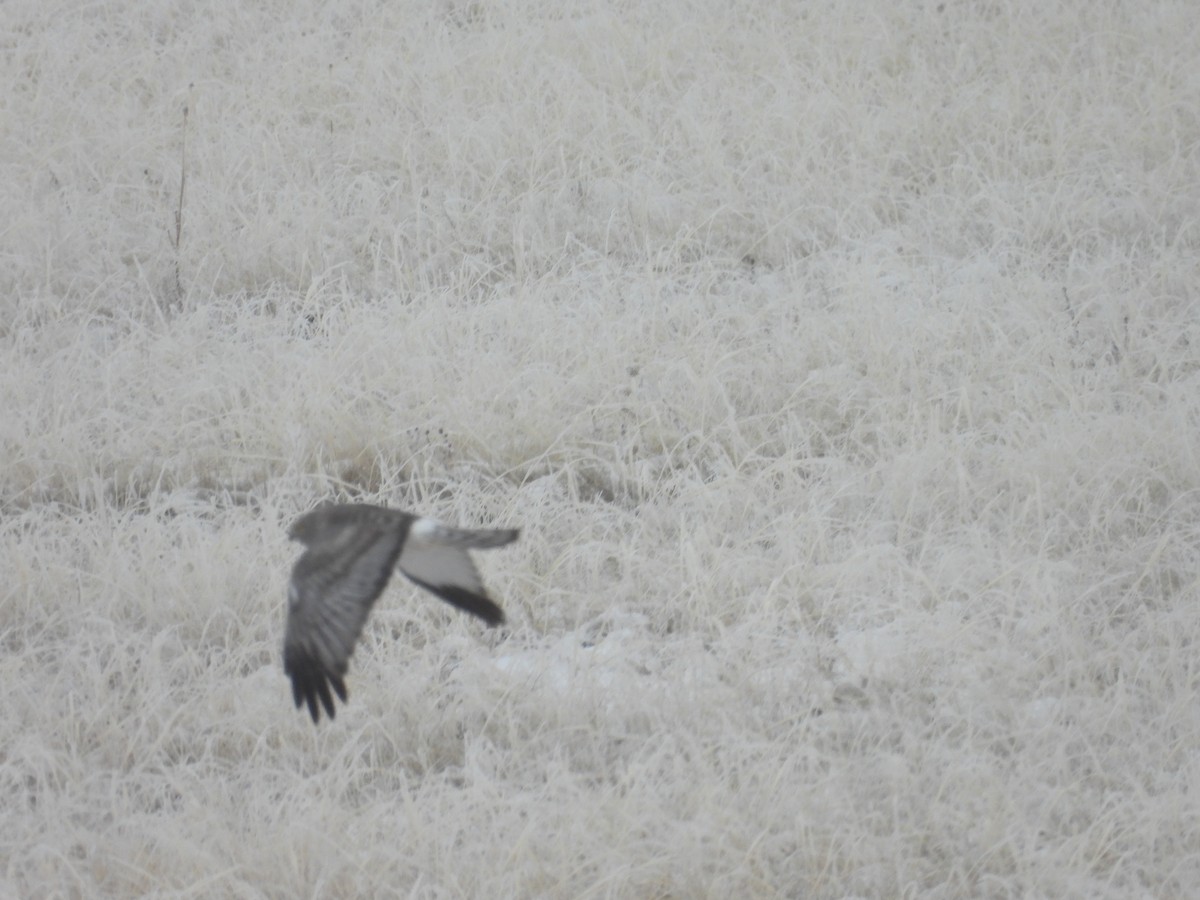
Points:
(350, 551)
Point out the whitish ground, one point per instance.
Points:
(840, 361)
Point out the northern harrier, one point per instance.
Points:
(350, 551)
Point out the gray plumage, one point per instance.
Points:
(350, 552)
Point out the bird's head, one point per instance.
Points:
(305, 528)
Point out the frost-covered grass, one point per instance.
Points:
(840, 362)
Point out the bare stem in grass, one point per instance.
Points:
(177, 237)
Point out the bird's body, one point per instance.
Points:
(350, 552)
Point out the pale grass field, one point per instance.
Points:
(840, 362)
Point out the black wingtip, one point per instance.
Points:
(475, 604)
(310, 687)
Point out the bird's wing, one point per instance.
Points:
(333, 587)
(435, 557)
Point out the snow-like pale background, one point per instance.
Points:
(840, 362)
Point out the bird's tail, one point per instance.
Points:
(470, 538)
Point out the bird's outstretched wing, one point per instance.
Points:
(435, 557)
(334, 585)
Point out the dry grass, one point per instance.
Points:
(840, 364)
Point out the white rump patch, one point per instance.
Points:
(424, 530)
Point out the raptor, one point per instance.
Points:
(350, 553)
